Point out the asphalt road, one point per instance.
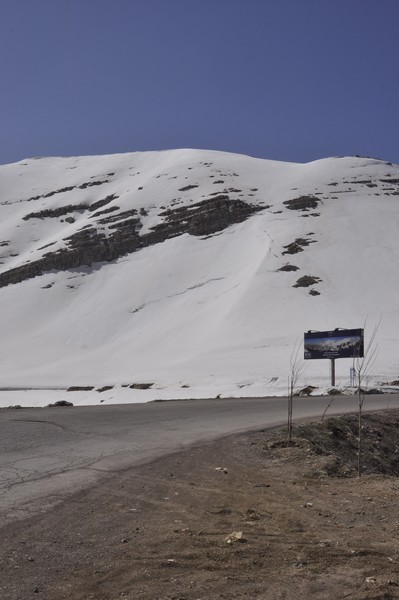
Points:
(47, 453)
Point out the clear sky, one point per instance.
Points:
(291, 80)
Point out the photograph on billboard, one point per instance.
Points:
(340, 343)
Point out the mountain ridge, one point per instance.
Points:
(191, 262)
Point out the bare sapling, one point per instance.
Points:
(329, 403)
(296, 368)
(363, 368)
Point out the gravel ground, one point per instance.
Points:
(242, 517)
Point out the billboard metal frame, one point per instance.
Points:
(337, 343)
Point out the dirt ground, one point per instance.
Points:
(307, 525)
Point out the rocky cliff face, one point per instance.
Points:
(91, 245)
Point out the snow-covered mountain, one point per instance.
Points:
(195, 271)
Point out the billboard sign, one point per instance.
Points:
(340, 343)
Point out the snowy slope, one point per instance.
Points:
(195, 313)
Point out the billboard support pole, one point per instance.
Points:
(332, 372)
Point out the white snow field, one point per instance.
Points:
(195, 315)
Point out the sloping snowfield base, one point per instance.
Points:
(197, 316)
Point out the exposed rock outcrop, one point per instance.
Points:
(56, 212)
(302, 203)
(90, 245)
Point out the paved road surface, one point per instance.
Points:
(46, 453)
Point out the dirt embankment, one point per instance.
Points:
(244, 517)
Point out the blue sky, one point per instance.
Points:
(291, 80)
